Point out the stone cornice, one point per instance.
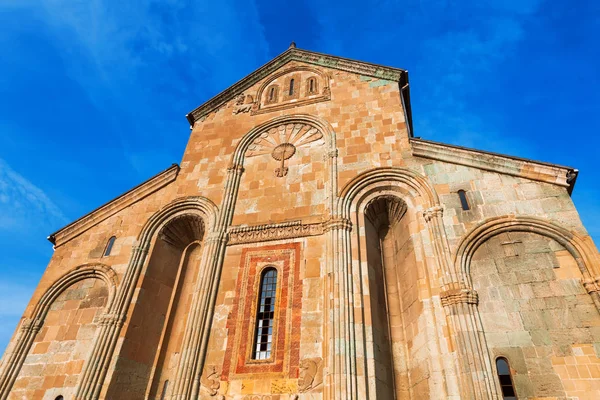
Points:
(304, 56)
(84, 223)
(520, 167)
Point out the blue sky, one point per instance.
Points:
(94, 93)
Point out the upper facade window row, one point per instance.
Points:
(292, 87)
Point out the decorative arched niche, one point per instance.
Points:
(292, 87)
(289, 167)
(385, 207)
(176, 239)
(49, 352)
(534, 280)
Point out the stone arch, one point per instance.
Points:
(319, 123)
(85, 271)
(581, 250)
(170, 271)
(421, 226)
(32, 325)
(238, 160)
(402, 180)
(206, 209)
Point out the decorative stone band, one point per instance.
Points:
(592, 285)
(432, 212)
(337, 223)
(458, 296)
(286, 230)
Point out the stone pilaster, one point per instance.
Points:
(460, 302)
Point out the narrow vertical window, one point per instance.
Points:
(163, 395)
(109, 246)
(311, 85)
(272, 94)
(291, 86)
(265, 313)
(463, 200)
(506, 383)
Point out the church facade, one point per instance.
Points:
(309, 246)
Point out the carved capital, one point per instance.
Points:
(116, 320)
(338, 223)
(330, 154)
(235, 169)
(591, 285)
(457, 296)
(30, 325)
(210, 380)
(433, 212)
(138, 248)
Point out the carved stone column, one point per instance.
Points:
(191, 363)
(592, 286)
(460, 302)
(16, 357)
(96, 367)
(341, 366)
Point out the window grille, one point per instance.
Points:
(265, 315)
(506, 383)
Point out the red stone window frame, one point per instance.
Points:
(241, 323)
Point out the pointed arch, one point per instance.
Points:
(581, 249)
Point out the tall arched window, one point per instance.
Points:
(291, 86)
(463, 200)
(109, 246)
(265, 314)
(506, 383)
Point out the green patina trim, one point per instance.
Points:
(380, 82)
(365, 78)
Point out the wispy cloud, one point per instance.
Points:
(23, 204)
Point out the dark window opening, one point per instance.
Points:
(272, 94)
(59, 398)
(265, 315)
(463, 200)
(163, 394)
(291, 87)
(109, 246)
(505, 379)
(311, 85)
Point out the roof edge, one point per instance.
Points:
(306, 56)
(516, 166)
(115, 205)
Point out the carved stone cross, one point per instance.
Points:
(281, 153)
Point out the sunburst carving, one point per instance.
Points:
(282, 141)
(385, 211)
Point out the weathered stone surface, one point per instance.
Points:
(386, 287)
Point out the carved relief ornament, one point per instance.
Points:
(282, 141)
(285, 230)
(311, 374)
(210, 380)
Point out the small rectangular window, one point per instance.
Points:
(464, 203)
